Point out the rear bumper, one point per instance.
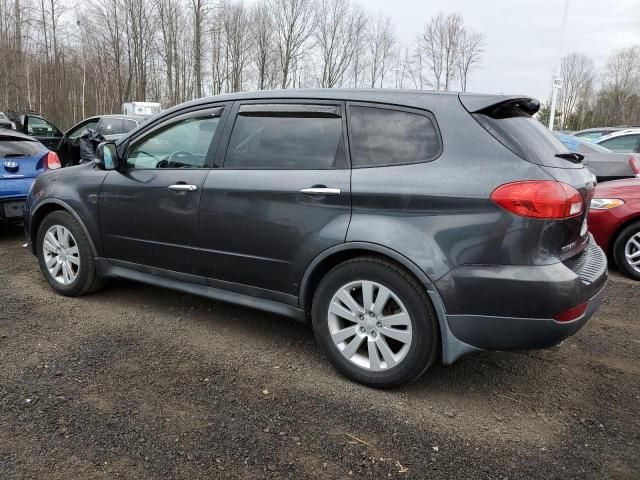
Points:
(512, 333)
(513, 307)
(12, 208)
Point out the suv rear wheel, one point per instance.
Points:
(65, 255)
(626, 250)
(375, 322)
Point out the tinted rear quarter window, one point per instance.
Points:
(18, 148)
(285, 141)
(384, 136)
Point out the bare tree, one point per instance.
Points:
(577, 71)
(440, 45)
(293, 21)
(469, 55)
(263, 42)
(621, 78)
(198, 7)
(381, 42)
(339, 27)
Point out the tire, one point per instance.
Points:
(627, 241)
(415, 343)
(85, 278)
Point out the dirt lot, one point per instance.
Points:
(138, 382)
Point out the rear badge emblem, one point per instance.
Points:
(11, 166)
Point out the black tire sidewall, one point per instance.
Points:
(86, 271)
(618, 250)
(425, 340)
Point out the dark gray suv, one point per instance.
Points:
(408, 227)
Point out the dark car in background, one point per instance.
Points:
(67, 144)
(345, 208)
(22, 158)
(111, 127)
(5, 122)
(594, 134)
(34, 125)
(607, 165)
(614, 220)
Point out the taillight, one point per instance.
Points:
(545, 199)
(633, 163)
(51, 161)
(572, 313)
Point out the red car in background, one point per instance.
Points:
(614, 221)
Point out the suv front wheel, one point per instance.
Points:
(65, 255)
(375, 322)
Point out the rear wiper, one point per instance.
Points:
(572, 157)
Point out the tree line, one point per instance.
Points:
(590, 97)
(71, 60)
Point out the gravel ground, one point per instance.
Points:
(139, 382)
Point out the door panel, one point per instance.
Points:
(258, 229)
(149, 208)
(144, 222)
(257, 226)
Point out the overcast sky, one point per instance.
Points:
(523, 36)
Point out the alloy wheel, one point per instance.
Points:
(369, 325)
(61, 254)
(632, 252)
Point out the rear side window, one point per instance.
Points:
(111, 126)
(521, 133)
(18, 148)
(622, 144)
(382, 136)
(129, 125)
(286, 140)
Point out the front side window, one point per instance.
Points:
(622, 144)
(381, 136)
(293, 140)
(183, 144)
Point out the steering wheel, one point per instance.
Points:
(173, 162)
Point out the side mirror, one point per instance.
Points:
(106, 156)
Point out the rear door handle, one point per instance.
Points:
(182, 187)
(320, 191)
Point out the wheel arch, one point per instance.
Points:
(50, 206)
(451, 347)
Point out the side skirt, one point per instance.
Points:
(196, 287)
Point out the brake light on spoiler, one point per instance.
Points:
(541, 199)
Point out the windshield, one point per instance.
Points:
(17, 148)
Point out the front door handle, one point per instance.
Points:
(182, 187)
(320, 191)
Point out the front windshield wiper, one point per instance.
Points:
(572, 157)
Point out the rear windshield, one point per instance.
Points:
(521, 133)
(17, 148)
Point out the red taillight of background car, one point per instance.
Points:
(51, 161)
(543, 199)
(633, 163)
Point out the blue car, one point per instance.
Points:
(22, 158)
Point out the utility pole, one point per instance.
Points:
(557, 80)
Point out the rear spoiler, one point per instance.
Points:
(476, 103)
